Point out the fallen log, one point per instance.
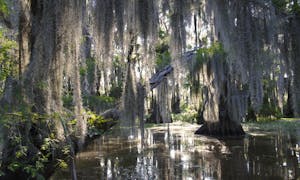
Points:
(113, 114)
(156, 79)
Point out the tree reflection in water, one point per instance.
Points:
(176, 153)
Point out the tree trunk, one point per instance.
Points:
(223, 107)
(49, 30)
(24, 35)
(161, 111)
(295, 38)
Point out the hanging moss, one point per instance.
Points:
(181, 12)
(119, 7)
(104, 23)
(203, 56)
(144, 18)
(147, 19)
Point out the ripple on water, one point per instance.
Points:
(174, 152)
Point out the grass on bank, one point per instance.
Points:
(262, 124)
(284, 124)
(189, 115)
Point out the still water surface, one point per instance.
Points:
(174, 152)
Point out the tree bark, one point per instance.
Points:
(24, 35)
(221, 112)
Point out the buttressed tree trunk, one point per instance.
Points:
(50, 37)
(223, 109)
(56, 33)
(250, 38)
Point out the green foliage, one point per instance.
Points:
(3, 7)
(280, 4)
(67, 101)
(96, 124)
(205, 54)
(187, 114)
(8, 60)
(269, 110)
(72, 122)
(26, 162)
(21, 152)
(95, 120)
(163, 56)
(296, 8)
(117, 61)
(116, 91)
(162, 34)
(62, 164)
(42, 85)
(82, 71)
(283, 124)
(117, 84)
(32, 156)
(90, 69)
(94, 101)
(287, 6)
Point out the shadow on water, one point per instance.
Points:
(174, 152)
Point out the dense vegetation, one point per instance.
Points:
(70, 70)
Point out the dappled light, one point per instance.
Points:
(173, 151)
(149, 89)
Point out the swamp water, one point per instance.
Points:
(172, 151)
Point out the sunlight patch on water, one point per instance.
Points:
(172, 151)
